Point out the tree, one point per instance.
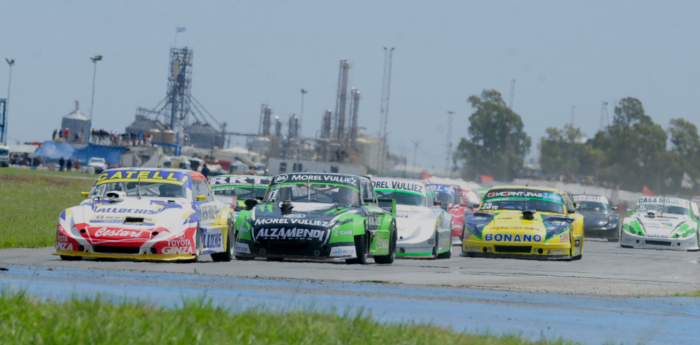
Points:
(497, 145)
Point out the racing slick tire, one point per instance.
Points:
(361, 250)
(389, 259)
(227, 255)
(197, 246)
(445, 255)
(71, 258)
(437, 245)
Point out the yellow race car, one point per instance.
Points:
(539, 223)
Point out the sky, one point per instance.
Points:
(246, 53)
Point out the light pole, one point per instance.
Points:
(92, 104)
(10, 62)
(301, 115)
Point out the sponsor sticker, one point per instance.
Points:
(564, 238)
(241, 248)
(291, 234)
(383, 243)
(473, 249)
(212, 240)
(176, 250)
(64, 246)
(400, 185)
(343, 251)
(337, 233)
(512, 238)
(556, 252)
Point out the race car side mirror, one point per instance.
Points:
(84, 194)
(368, 201)
(201, 197)
(260, 198)
(437, 203)
(463, 204)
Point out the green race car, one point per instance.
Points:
(234, 190)
(317, 216)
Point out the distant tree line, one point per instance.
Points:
(631, 152)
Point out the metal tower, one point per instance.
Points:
(293, 127)
(265, 117)
(179, 86)
(341, 100)
(326, 124)
(354, 107)
(450, 114)
(384, 108)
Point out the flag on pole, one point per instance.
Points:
(646, 191)
(179, 29)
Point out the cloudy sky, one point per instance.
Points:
(561, 54)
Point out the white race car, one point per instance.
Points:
(662, 223)
(147, 214)
(234, 190)
(424, 228)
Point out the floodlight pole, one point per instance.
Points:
(10, 62)
(301, 115)
(92, 104)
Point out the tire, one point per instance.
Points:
(227, 255)
(361, 250)
(71, 258)
(389, 259)
(437, 245)
(619, 234)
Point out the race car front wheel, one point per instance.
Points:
(227, 255)
(361, 250)
(389, 259)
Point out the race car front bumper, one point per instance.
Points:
(602, 232)
(137, 257)
(635, 241)
(295, 249)
(543, 251)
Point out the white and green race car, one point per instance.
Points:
(662, 223)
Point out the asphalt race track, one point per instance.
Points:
(606, 291)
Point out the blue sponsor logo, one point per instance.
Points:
(211, 240)
(512, 238)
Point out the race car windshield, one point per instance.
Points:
(592, 206)
(523, 204)
(402, 198)
(247, 192)
(661, 209)
(147, 189)
(314, 192)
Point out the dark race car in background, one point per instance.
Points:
(599, 221)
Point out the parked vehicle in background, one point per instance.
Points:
(525, 222)
(97, 163)
(662, 223)
(4, 156)
(599, 221)
(425, 228)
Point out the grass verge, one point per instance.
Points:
(687, 294)
(31, 201)
(25, 320)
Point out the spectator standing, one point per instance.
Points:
(194, 165)
(205, 171)
(140, 137)
(69, 164)
(66, 133)
(61, 163)
(54, 134)
(77, 163)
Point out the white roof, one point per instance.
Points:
(76, 115)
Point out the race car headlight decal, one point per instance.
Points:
(555, 227)
(684, 231)
(476, 222)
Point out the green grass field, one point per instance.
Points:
(31, 202)
(25, 320)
